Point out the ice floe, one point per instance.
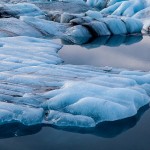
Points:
(102, 98)
(36, 88)
(33, 83)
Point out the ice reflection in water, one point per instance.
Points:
(130, 52)
(105, 129)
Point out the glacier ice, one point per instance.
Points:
(63, 95)
(15, 113)
(132, 25)
(97, 3)
(102, 98)
(144, 13)
(21, 9)
(61, 6)
(44, 26)
(65, 119)
(44, 22)
(78, 33)
(125, 8)
(16, 27)
(36, 88)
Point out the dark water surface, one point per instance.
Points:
(128, 134)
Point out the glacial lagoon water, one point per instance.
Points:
(131, 52)
(128, 134)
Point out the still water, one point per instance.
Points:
(128, 134)
(131, 52)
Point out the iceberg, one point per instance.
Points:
(49, 92)
(37, 88)
(102, 99)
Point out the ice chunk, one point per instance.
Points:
(80, 21)
(97, 28)
(97, 3)
(61, 6)
(115, 25)
(15, 113)
(94, 14)
(98, 100)
(145, 13)
(112, 2)
(66, 17)
(64, 119)
(76, 1)
(125, 8)
(35, 89)
(78, 34)
(24, 52)
(15, 27)
(133, 25)
(45, 27)
(21, 9)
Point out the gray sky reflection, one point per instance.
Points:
(133, 54)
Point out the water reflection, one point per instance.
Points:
(129, 52)
(18, 129)
(113, 128)
(106, 129)
(112, 41)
